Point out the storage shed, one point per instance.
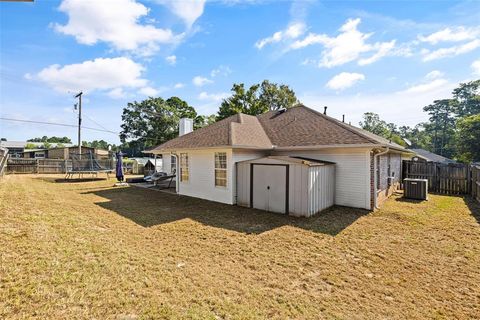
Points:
(283, 184)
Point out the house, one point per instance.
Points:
(16, 149)
(424, 155)
(62, 152)
(366, 167)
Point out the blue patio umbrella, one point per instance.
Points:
(119, 167)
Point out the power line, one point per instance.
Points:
(98, 124)
(57, 124)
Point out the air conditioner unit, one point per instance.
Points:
(415, 188)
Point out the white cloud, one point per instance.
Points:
(435, 74)
(432, 81)
(213, 96)
(454, 34)
(200, 81)
(114, 23)
(293, 31)
(98, 74)
(348, 46)
(187, 10)
(383, 49)
(429, 55)
(220, 71)
(178, 85)
(344, 80)
(476, 67)
(116, 93)
(149, 91)
(171, 60)
(426, 87)
(402, 108)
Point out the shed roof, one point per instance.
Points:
(295, 160)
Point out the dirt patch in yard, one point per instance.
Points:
(88, 250)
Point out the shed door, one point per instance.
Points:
(269, 188)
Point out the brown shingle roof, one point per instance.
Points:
(237, 130)
(296, 127)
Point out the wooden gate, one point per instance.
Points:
(476, 182)
(452, 178)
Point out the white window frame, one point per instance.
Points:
(220, 167)
(173, 164)
(184, 166)
(39, 155)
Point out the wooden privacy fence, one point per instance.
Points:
(36, 166)
(453, 178)
(47, 165)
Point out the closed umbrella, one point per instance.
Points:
(119, 167)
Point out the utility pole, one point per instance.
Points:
(79, 96)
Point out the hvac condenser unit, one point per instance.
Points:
(415, 188)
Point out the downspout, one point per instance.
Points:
(375, 156)
(177, 172)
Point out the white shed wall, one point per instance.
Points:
(321, 185)
(352, 173)
(242, 197)
(298, 190)
(201, 182)
(311, 189)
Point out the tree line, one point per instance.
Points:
(453, 129)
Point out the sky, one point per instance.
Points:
(392, 58)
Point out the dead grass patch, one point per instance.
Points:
(86, 250)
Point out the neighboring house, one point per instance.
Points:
(146, 165)
(366, 167)
(17, 148)
(62, 153)
(424, 155)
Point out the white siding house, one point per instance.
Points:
(210, 162)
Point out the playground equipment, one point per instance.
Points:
(88, 164)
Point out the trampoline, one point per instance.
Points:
(88, 164)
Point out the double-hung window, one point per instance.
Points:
(184, 172)
(220, 169)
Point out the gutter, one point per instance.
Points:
(375, 157)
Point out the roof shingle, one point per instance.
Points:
(298, 126)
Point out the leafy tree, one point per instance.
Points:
(154, 121)
(46, 145)
(98, 144)
(468, 138)
(30, 146)
(374, 124)
(51, 139)
(442, 125)
(468, 98)
(257, 99)
(417, 136)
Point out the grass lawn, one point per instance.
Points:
(84, 250)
